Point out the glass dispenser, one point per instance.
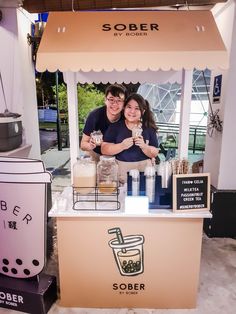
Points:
(84, 175)
(107, 174)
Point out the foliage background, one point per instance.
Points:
(89, 98)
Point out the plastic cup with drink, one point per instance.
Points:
(137, 131)
(97, 136)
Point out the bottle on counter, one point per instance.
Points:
(150, 174)
(107, 174)
(84, 175)
(164, 170)
(134, 173)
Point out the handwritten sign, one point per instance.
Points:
(191, 192)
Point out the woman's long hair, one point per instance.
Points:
(147, 118)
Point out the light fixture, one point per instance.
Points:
(34, 39)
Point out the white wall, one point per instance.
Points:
(9, 61)
(213, 148)
(224, 17)
(18, 74)
(28, 85)
(220, 145)
(227, 169)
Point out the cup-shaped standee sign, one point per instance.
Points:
(23, 200)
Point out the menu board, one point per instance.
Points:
(191, 192)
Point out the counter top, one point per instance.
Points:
(63, 207)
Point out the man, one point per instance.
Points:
(100, 118)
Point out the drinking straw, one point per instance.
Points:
(119, 236)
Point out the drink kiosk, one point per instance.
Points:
(139, 254)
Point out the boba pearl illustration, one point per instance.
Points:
(128, 252)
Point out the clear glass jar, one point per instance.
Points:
(84, 175)
(107, 174)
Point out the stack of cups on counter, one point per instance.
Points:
(150, 175)
(164, 170)
(134, 173)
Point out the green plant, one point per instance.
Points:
(89, 97)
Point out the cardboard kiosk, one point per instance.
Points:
(23, 221)
(130, 46)
(135, 256)
(152, 259)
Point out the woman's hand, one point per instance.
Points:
(127, 143)
(139, 141)
(148, 150)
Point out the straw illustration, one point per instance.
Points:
(119, 236)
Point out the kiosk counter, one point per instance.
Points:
(120, 259)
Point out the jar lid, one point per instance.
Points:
(85, 159)
(107, 158)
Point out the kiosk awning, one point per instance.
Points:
(131, 40)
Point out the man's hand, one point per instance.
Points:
(91, 144)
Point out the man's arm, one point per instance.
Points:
(114, 149)
(87, 143)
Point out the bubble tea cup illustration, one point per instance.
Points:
(128, 252)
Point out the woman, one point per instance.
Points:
(131, 151)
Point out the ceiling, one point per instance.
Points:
(38, 6)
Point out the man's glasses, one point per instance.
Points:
(112, 101)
